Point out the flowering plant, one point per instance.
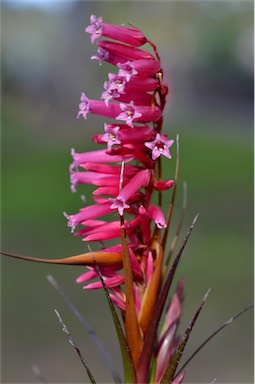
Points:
(131, 263)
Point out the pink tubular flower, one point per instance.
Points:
(137, 113)
(127, 70)
(129, 113)
(102, 232)
(157, 215)
(99, 156)
(138, 181)
(118, 302)
(111, 135)
(163, 185)
(135, 67)
(96, 107)
(120, 204)
(124, 52)
(131, 36)
(110, 282)
(117, 82)
(88, 213)
(102, 55)
(105, 55)
(109, 94)
(120, 134)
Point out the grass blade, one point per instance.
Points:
(106, 357)
(228, 322)
(91, 377)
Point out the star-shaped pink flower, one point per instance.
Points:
(126, 70)
(83, 106)
(95, 28)
(160, 146)
(109, 93)
(102, 55)
(117, 82)
(119, 203)
(111, 135)
(129, 113)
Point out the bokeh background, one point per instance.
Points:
(207, 53)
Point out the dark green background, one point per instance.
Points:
(206, 49)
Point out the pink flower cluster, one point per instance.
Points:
(124, 172)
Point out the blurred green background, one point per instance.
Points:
(207, 54)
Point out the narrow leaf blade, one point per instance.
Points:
(219, 329)
(73, 344)
(170, 372)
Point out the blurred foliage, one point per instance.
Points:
(206, 50)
